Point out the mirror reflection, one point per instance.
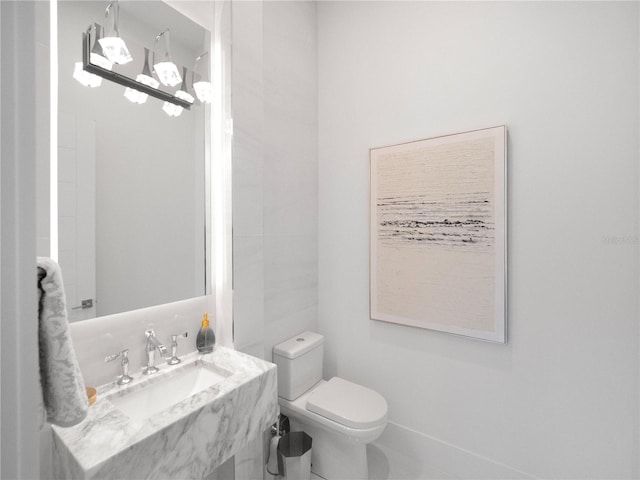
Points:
(131, 177)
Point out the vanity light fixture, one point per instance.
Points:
(200, 80)
(113, 46)
(165, 69)
(95, 66)
(145, 83)
(146, 78)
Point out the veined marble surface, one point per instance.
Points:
(188, 440)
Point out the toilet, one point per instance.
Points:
(340, 416)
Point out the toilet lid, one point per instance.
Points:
(348, 403)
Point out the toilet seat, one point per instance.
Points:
(297, 409)
(348, 404)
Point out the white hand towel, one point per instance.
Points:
(63, 392)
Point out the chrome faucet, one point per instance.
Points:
(152, 344)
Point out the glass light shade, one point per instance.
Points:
(204, 91)
(182, 95)
(136, 96)
(100, 61)
(85, 78)
(168, 73)
(172, 109)
(147, 80)
(115, 50)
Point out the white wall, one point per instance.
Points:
(560, 400)
(275, 172)
(248, 185)
(290, 170)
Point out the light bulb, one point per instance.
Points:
(204, 91)
(147, 80)
(182, 95)
(135, 96)
(172, 109)
(100, 61)
(85, 78)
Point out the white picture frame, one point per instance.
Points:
(438, 234)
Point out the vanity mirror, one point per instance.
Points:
(131, 178)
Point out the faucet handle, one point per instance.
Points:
(124, 363)
(111, 358)
(174, 360)
(174, 337)
(124, 354)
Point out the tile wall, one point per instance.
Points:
(275, 172)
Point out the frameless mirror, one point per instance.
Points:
(131, 178)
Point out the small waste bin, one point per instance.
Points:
(294, 456)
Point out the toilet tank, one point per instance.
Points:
(299, 362)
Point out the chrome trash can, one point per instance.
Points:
(294, 456)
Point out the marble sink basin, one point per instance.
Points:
(182, 422)
(159, 394)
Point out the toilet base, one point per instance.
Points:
(334, 457)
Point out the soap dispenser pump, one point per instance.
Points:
(206, 339)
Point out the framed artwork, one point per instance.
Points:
(439, 234)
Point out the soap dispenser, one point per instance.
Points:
(206, 339)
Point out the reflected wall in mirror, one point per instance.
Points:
(131, 179)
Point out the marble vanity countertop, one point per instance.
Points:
(187, 440)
